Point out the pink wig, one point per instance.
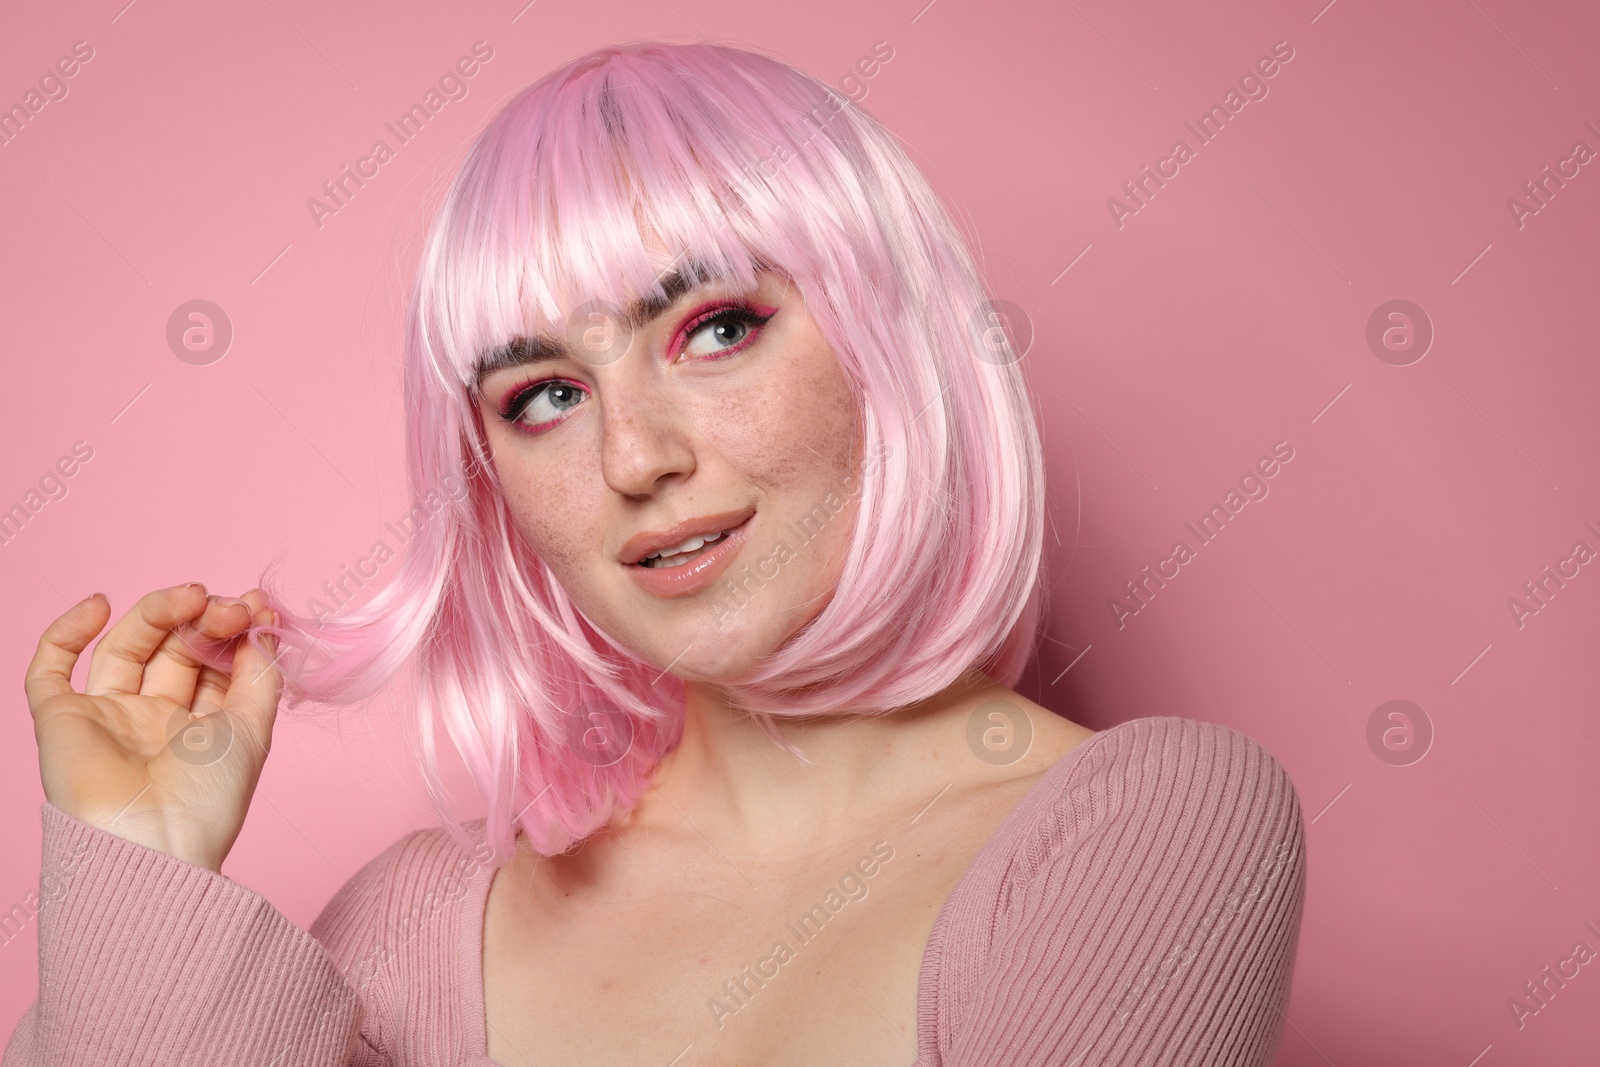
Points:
(739, 162)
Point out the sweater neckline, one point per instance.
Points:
(469, 954)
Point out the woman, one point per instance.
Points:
(728, 535)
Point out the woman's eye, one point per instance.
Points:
(543, 403)
(723, 332)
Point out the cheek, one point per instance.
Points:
(796, 432)
(795, 437)
(548, 506)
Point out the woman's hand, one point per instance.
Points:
(159, 748)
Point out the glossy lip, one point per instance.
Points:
(641, 545)
(698, 573)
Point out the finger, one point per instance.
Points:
(252, 696)
(117, 663)
(211, 689)
(175, 666)
(50, 671)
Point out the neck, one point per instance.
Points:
(732, 782)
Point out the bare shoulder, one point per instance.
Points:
(1018, 737)
(1055, 736)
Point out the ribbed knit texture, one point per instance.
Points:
(1140, 906)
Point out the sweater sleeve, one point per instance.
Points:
(1153, 916)
(146, 959)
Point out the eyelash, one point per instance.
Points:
(513, 407)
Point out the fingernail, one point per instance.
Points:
(195, 585)
(90, 597)
(241, 603)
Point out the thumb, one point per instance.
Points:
(252, 695)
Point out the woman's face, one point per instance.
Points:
(726, 411)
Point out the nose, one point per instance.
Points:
(645, 438)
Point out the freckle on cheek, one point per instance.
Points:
(541, 526)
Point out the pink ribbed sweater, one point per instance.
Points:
(1141, 905)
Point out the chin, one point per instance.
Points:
(703, 639)
(709, 665)
(710, 654)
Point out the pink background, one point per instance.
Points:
(1229, 313)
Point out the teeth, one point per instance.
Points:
(668, 556)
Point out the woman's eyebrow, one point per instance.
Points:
(520, 351)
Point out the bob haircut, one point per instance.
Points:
(739, 162)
